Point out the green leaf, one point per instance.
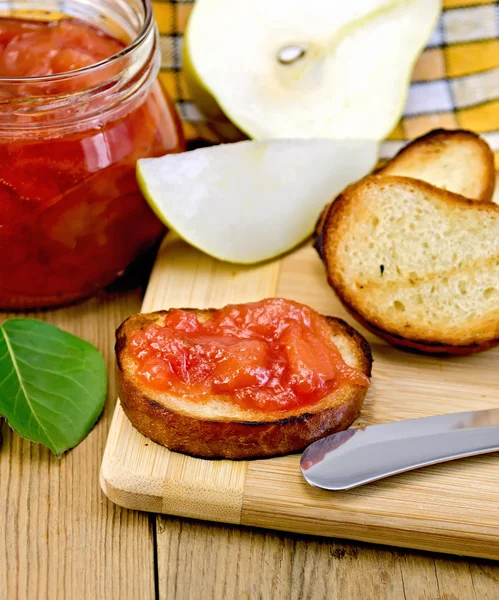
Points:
(52, 384)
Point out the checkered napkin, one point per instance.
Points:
(455, 82)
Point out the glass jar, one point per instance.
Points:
(72, 217)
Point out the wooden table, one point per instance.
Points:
(61, 538)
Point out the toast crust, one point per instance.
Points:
(421, 346)
(485, 335)
(250, 434)
(319, 227)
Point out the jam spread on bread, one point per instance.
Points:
(270, 355)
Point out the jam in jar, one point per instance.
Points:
(79, 105)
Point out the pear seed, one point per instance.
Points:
(290, 54)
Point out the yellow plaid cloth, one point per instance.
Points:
(455, 83)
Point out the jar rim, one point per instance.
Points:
(143, 33)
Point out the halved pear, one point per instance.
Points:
(251, 201)
(321, 69)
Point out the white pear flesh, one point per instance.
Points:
(351, 82)
(251, 201)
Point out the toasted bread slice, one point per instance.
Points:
(417, 265)
(218, 428)
(455, 160)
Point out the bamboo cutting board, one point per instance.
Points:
(451, 508)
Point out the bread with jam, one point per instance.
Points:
(219, 427)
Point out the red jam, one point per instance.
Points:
(269, 355)
(38, 48)
(72, 217)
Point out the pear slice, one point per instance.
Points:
(288, 68)
(251, 201)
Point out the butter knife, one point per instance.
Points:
(354, 457)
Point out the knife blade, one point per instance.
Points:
(354, 457)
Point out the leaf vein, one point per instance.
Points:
(58, 341)
(47, 353)
(52, 393)
(45, 370)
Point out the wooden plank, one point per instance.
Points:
(419, 577)
(485, 578)
(200, 560)
(448, 508)
(59, 535)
